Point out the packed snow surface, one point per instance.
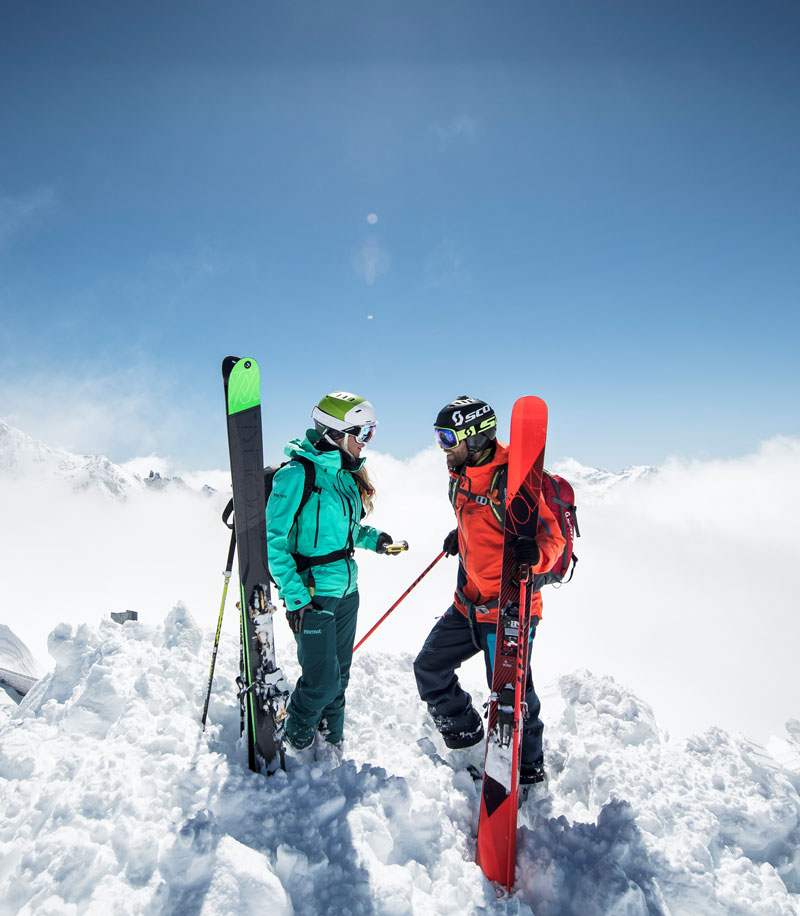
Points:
(112, 801)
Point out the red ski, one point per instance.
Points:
(497, 827)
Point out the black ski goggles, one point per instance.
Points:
(447, 438)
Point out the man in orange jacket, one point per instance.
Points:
(466, 429)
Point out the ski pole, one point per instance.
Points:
(413, 585)
(227, 574)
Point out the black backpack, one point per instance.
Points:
(309, 487)
(303, 562)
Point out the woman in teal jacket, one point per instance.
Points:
(311, 558)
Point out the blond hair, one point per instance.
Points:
(366, 488)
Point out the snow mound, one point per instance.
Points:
(718, 818)
(113, 801)
(14, 654)
(17, 668)
(786, 751)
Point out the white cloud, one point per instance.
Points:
(460, 127)
(25, 213)
(445, 268)
(185, 274)
(116, 413)
(78, 556)
(686, 590)
(370, 260)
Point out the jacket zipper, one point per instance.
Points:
(348, 542)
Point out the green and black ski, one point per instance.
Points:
(263, 691)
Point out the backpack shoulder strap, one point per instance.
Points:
(495, 498)
(498, 486)
(310, 485)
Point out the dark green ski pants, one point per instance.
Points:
(325, 651)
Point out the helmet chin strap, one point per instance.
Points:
(481, 454)
(341, 444)
(350, 462)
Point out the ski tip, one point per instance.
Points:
(530, 408)
(227, 365)
(242, 379)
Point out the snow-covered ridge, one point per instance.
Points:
(596, 483)
(22, 456)
(112, 800)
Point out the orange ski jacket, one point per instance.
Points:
(480, 538)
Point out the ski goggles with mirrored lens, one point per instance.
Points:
(446, 438)
(362, 433)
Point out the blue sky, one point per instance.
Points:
(593, 202)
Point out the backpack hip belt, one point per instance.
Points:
(303, 562)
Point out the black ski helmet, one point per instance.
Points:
(466, 419)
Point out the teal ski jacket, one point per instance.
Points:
(329, 521)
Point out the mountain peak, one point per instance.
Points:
(23, 456)
(595, 483)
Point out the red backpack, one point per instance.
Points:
(560, 499)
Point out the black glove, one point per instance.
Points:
(384, 540)
(525, 550)
(450, 546)
(295, 618)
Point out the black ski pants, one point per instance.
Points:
(450, 643)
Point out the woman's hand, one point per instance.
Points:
(384, 540)
(387, 545)
(295, 618)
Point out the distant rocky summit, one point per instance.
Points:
(22, 456)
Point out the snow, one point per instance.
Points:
(113, 801)
(14, 654)
(19, 454)
(17, 667)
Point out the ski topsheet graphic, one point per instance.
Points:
(497, 827)
(263, 691)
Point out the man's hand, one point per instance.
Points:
(295, 618)
(525, 551)
(450, 546)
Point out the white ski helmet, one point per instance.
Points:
(342, 412)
